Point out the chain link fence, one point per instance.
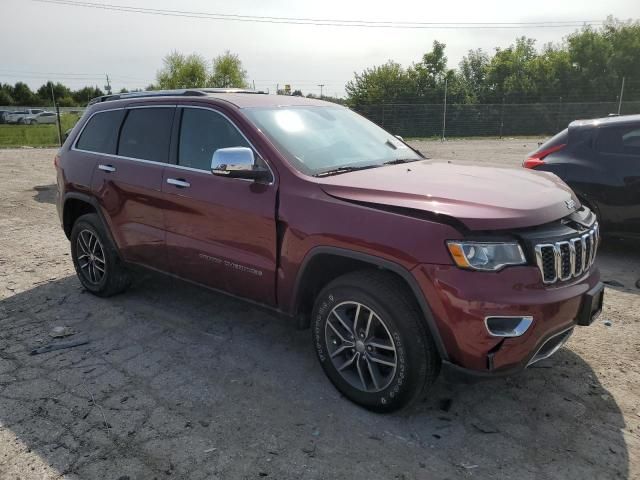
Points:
(469, 120)
(48, 108)
(494, 120)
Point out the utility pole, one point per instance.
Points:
(254, 84)
(53, 96)
(107, 87)
(321, 85)
(444, 113)
(621, 93)
(502, 117)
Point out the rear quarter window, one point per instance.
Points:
(619, 140)
(100, 135)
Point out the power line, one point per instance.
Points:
(325, 22)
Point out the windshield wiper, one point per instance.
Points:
(345, 169)
(401, 160)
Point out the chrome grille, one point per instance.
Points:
(567, 259)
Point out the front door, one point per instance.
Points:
(221, 232)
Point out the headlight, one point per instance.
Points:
(485, 255)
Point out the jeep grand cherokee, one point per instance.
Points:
(398, 263)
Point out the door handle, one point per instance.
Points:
(178, 182)
(107, 168)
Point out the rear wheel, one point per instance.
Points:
(95, 259)
(371, 341)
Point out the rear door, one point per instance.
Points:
(128, 183)
(221, 232)
(618, 149)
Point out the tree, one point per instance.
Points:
(228, 72)
(430, 74)
(22, 95)
(182, 71)
(473, 74)
(386, 83)
(6, 94)
(59, 90)
(509, 72)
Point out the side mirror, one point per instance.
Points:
(237, 162)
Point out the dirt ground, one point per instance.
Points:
(179, 382)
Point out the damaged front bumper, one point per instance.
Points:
(539, 319)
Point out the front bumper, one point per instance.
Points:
(460, 301)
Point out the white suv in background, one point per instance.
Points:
(23, 116)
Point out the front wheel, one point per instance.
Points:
(371, 341)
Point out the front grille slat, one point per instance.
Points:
(569, 258)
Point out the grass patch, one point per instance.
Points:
(35, 135)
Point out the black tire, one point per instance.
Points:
(114, 278)
(415, 354)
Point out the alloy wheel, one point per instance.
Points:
(361, 347)
(90, 257)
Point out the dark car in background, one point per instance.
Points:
(600, 160)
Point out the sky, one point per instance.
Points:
(78, 46)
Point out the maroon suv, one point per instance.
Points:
(397, 262)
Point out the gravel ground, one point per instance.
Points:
(181, 382)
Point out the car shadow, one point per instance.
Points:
(177, 380)
(45, 193)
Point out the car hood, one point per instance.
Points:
(482, 198)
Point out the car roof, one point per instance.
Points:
(240, 98)
(606, 121)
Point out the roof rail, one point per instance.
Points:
(191, 92)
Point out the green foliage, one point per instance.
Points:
(472, 75)
(44, 93)
(182, 71)
(192, 71)
(340, 101)
(588, 65)
(228, 72)
(22, 95)
(82, 96)
(386, 83)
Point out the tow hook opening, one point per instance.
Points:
(491, 353)
(508, 326)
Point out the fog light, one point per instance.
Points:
(508, 326)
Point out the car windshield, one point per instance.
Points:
(321, 140)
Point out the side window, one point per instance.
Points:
(621, 140)
(202, 132)
(101, 132)
(631, 141)
(146, 134)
